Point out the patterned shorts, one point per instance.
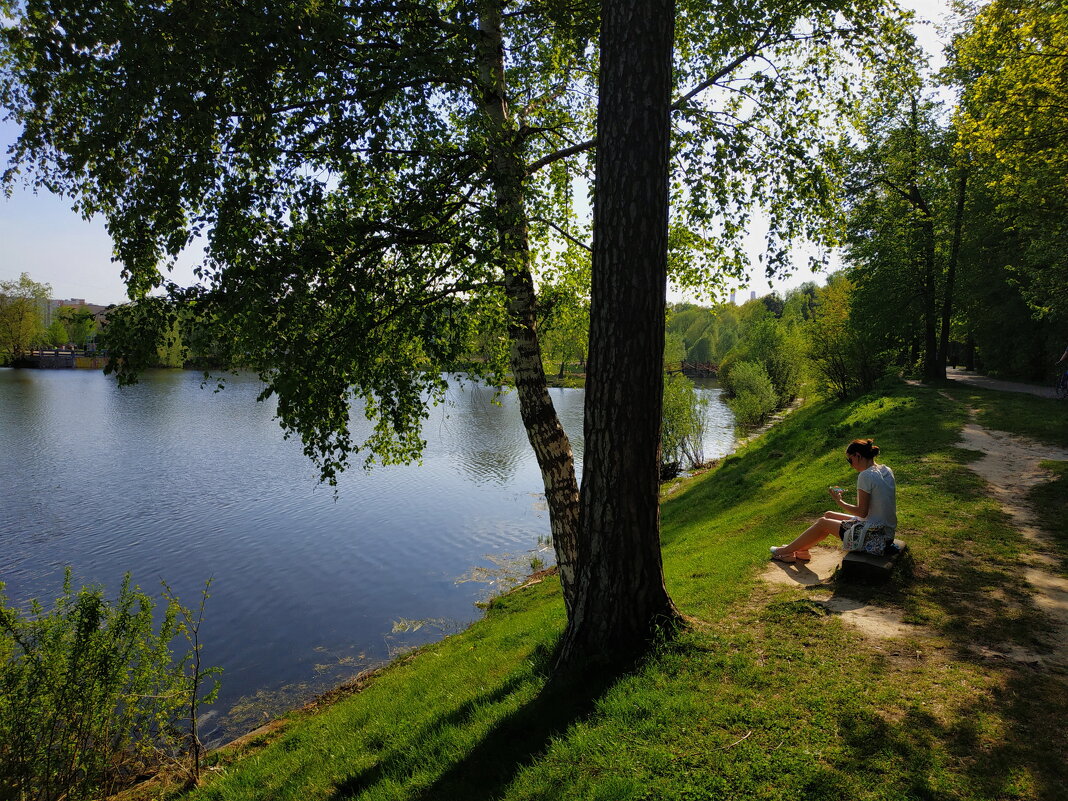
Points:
(875, 541)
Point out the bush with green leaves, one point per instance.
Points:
(779, 349)
(840, 347)
(56, 334)
(91, 693)
(685, 413)
(754, 397)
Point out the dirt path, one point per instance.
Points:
(874, 621)
(1010, 465)
(976, 380)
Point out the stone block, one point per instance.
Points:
(867, 569)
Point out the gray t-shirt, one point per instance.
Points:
(878, 482)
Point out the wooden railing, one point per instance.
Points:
(59, 358)
(692, 367)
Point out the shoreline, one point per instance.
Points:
(358, 682)
(465, 717)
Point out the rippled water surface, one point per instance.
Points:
(169, 480)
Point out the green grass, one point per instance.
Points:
(1042, 419)
(766, 695)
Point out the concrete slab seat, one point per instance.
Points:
(864, 568)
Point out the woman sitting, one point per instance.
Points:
(869, 525)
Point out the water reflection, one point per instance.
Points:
(480, 420)
(485, 425)
(166, 479)
(719, 424)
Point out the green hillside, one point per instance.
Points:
(767, 695)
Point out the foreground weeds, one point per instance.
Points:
(767, 695)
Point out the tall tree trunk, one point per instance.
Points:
(551, 445)
(932, 368)
(621, 600)
(925, 253)
(951, 268)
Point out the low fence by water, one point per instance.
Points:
(692, 368)
(60, 359)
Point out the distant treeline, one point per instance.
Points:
(29, 320)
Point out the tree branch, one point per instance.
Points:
(718, 76)
(562, 232)
(544, 161)
(420, 9)
(763, 41)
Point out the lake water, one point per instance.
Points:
(167, 480)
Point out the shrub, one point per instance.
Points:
(90, 694)
(682, 435)
(839, 347)
(754, 396)
(779, 349)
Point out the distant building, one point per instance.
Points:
(78, 303)
(732, 295)
(752, 294)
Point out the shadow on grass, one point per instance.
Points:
(487, 769)
(1011, 742)
(971, 575)
(1023, 757)
(1050, 502)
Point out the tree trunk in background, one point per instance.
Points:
(621, 600)
(551, 445)
(951, 268)
(924, 244)
(932, 368)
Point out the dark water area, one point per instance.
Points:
(167, 480)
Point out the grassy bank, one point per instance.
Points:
(767, 695)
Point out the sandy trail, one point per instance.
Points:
(1011, 466)
(974, 379)
(874, 621)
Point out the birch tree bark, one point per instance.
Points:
(544, 430)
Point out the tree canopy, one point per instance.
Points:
(21, 320)
(1011, 61)
(956, 211)
(376, 184)
(897, 199)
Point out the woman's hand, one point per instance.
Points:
(862, 505)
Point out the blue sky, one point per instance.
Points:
(42, 236)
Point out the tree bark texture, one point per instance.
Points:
(621, 600)
(932, 370)
(547, 437)
(951, 268)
